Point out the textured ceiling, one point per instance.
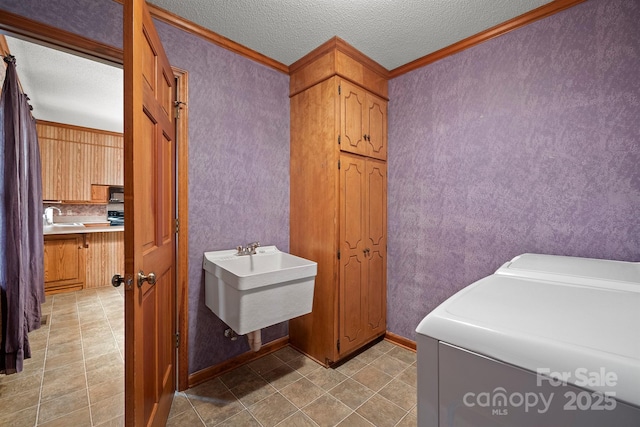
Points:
(69, 89)
(391, 32)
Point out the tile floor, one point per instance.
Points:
(75, 377)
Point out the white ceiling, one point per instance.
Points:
(70, 89)
(391, 32)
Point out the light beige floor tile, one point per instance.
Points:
(106, 389)
(188, 418)
(179, 405)
(265, 364)
(326, 378)
(372, 377)
(287, 354)
(302, 392)
(408, 421)
(409, 376)
(78, 418)
(407, 356)
(217, 409)
(105, 373)
(389, 365)
(298, 419)
(400, 393)
(16, 402)
(62, 406)
(241, 419)
(114, 422)
(327, 411)
(304, 365)
(253, 391)
(272, 410)
(384, 346)
(107, 409)
(355, 420)
(238, 376)
(23, 418)
(351, 393)
(380, 412)
(350, 367)
(282, 376)
(369, 355)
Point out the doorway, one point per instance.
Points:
(78, 45)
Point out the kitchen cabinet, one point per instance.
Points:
(104, 258)
(85, 260)
(363, 122)
(74, 158)
(338, 202)
(64, 263)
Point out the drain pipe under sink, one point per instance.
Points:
(255, 340)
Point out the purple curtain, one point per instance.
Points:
(21, 237)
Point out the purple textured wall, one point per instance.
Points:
(526, 143)
(238, 172)
(238, 152)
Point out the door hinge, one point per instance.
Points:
(338, 345)
(338, 164)
(177, 224)
(338, 254)
(177, 339)
(339, 90)
(338, 139)
(178, 106)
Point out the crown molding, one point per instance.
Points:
(500, 29)
(215, 38)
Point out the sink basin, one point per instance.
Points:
(250, 292)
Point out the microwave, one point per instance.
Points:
(116, 194)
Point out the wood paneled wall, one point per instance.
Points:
(104, 258)
(73, 158)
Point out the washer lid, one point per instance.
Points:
(543, 325)
(584, 271)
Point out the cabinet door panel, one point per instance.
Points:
(64, 263)
(376, 219)
(352, 107)
(352, 256)
(376, 127)
(351, 297)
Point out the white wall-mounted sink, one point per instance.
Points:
(250, 292)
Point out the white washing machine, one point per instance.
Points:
(545, 341)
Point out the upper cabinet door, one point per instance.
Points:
(375, 122)
(352, 113)
(363, 122)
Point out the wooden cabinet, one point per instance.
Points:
(82, 261)
(73, 158)
(64, 263)
(338, 202)
(362, 219)
(363, 122)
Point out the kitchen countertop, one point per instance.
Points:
(79, 229)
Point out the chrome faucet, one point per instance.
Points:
(48, 215)
(250, 249)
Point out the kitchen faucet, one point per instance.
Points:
(48, 215)
(250, 249)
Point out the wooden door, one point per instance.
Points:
(375, 125)
(353, 267)
(149, 151)
(376, 247)
(352, 108)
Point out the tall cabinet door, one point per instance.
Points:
(376, 247)
(353, 263)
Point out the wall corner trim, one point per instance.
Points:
(544, 11)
